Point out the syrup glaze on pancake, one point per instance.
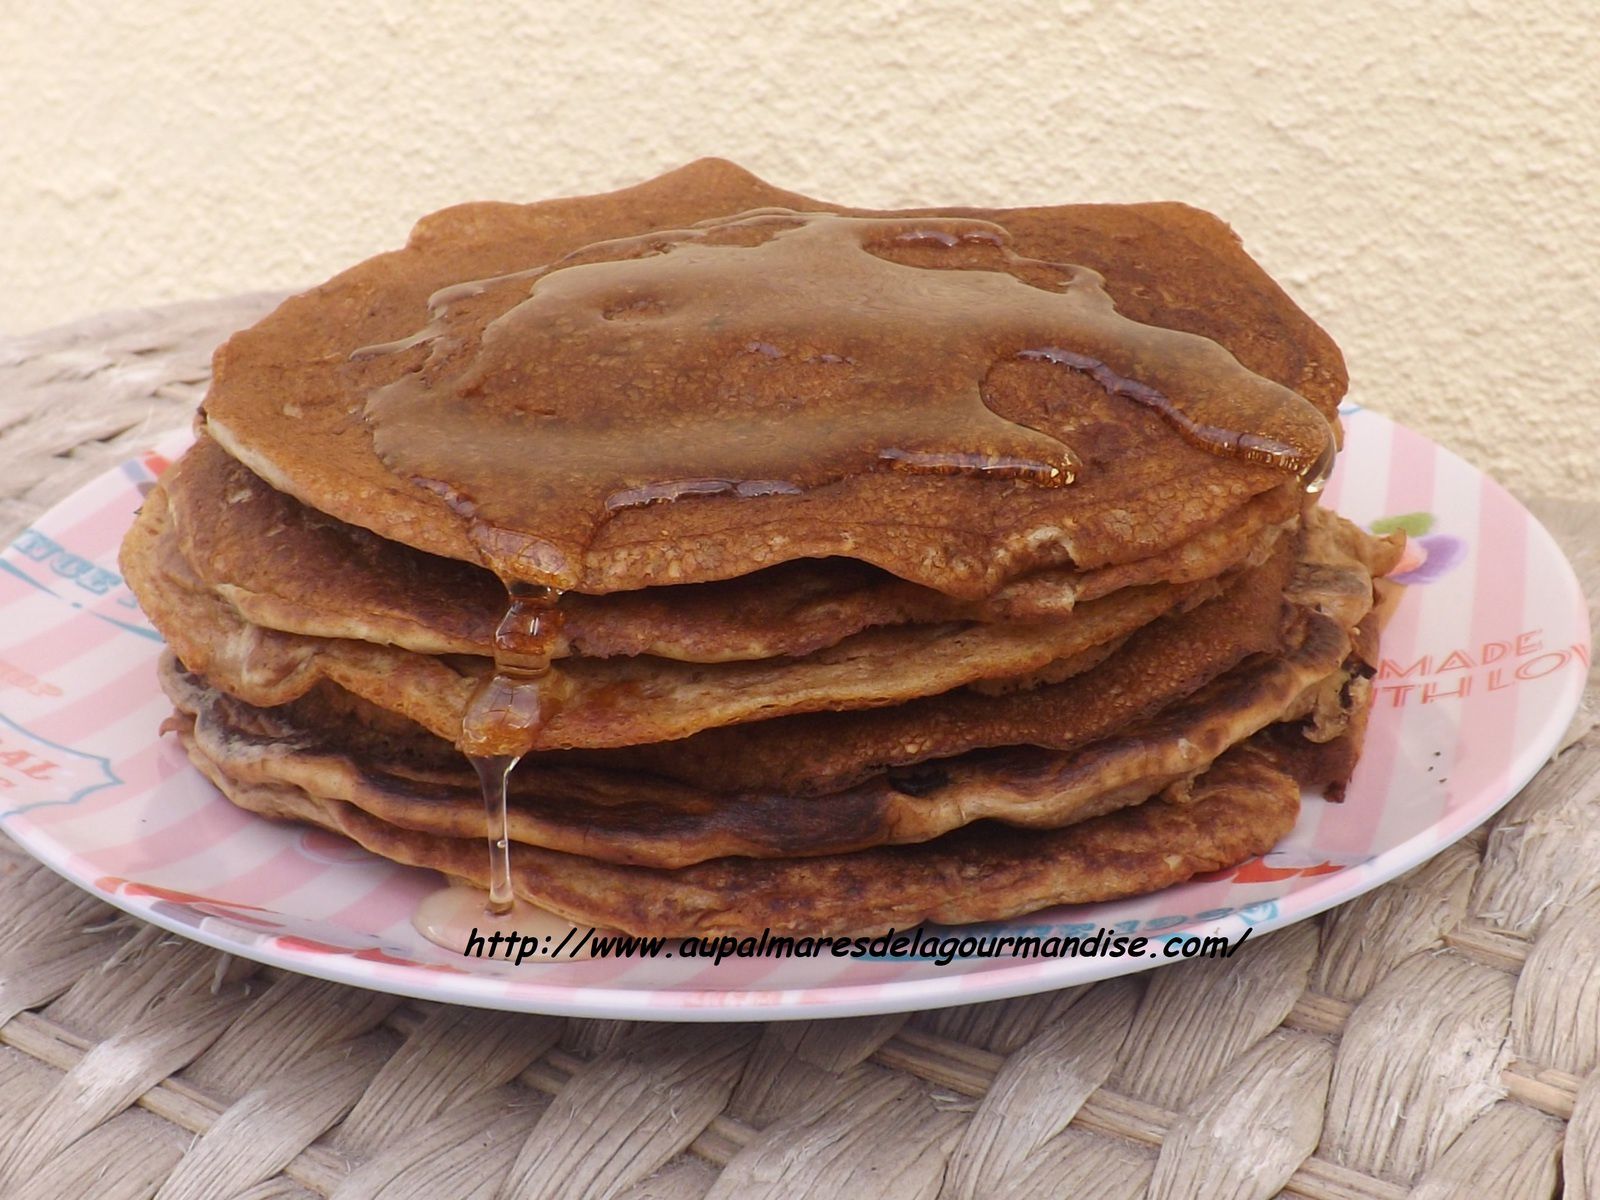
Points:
(768, 354)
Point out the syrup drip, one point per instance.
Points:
(764, 355)
(506, 713)
(1315, 477)
(494, 774)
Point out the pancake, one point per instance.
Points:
(983, 872)
(627, 817)
(810, 754)
(1332, 575)
(1177, 703)
(612, 701)
(283, 566)
(1218, 348)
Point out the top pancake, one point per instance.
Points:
(289, 403)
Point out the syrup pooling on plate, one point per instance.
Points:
(453, 916)
(758, 356)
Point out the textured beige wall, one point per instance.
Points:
(1423, 176)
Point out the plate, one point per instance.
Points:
(1483, 665)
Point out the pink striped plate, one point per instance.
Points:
(1483, 666)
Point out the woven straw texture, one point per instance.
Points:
(1438, 1038)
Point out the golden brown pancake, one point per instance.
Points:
(284, 566)
(1165, 660)
(612, 701)
(621, 816)
(1135, 726)
(983, 872)
(289, 402)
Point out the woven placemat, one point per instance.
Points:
(1438, 1038)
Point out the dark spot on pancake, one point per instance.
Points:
(919, 779)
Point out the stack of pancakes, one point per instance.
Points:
(900, 566)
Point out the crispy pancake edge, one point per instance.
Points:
(984, 872)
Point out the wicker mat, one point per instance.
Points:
(1437, 1038)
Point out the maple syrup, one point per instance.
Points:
(768, 354)
(1315, 477)
(506, 713)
